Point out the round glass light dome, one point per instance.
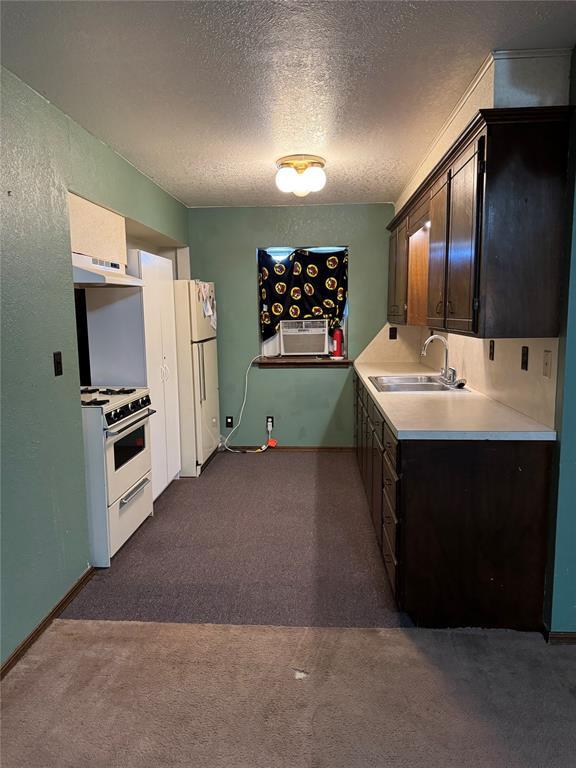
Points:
(300, 174)
(315, 178)
(286, 179)
(301, 188)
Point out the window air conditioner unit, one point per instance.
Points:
(304, 337)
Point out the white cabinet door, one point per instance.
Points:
(170, 362)
(209, 433)
(96, 231)
(161, 366)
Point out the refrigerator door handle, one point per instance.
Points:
(202, 374)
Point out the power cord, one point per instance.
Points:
(229, 435)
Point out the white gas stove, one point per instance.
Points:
(118, 464)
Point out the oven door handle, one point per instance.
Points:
(110, 433)
(134, 492)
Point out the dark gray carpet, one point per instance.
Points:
(280, 538)
(143, 695)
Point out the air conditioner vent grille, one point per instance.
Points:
(304, 337)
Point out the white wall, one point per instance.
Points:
(532, 78)
(502, 379)
(525, 78)
(478, 95)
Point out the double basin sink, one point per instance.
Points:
(412, 384)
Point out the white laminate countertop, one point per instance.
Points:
(458, 415)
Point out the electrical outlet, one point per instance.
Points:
(547, 364)
(229, 422)
(524, 359)
(58, 368)
(269, 422)
(392, 332)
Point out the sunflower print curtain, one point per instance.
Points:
(305, 285)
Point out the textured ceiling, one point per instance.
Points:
(204, 96)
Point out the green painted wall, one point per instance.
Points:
(563, 615)
(310, 406)
(44, 153)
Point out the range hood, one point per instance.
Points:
(93, 272)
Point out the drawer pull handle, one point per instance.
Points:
(439, 307)
(129, 496)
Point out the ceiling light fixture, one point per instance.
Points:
(300, 174)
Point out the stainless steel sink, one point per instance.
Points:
(411, 384)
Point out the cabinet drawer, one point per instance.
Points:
(129, 512)
(390, 482)
(390, 562)
(390, 446)
(389, 523)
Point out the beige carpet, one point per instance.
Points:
(146, 695)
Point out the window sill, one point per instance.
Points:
(301, 361)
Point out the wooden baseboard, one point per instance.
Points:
(299, 448)
(560, 638)
(18, 652)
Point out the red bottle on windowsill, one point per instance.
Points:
(338, 344)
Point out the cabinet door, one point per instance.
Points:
(356, 417)
(401, 284)
(398, 275)
(368, 460)
(152, 297)
(392, 307)
(170, 366)
(96, 231)
(377, 485)
(437, 257)
(418, 258)
(462, 247)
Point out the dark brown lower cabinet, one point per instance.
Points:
(462, 525)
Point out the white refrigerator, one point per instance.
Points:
(196, 323)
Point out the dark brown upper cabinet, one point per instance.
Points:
(398, 275)
(438, 250)
(497, 211)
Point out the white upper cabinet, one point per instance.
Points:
(96, 231)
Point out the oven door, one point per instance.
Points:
(127, 454)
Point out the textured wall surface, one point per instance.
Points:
(310, 406)
(44, 530)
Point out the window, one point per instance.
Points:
(298, 284)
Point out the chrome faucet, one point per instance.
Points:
(446, 373)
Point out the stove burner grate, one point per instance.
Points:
(95, 402)
(88, 390)
(119, 391)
